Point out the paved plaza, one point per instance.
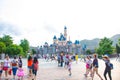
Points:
(50, 71)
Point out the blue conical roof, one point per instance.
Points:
(65, 27)
(54, 37)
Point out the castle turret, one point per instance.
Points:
(65, 32)
(54, 39)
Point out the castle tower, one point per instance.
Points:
(65, 32)
(54, 39)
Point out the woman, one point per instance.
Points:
(95, 67)
(14, 66)
(20, 61)
(6, 65)
(30, 62)
(35, 68)
(69, 67)
(88, 66)
(107, 68)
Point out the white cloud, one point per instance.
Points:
(40, 20)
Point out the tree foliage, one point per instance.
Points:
(2, 47)
(34, 51)
(105, 46)
(88, 51)
(119, 41)
(7, 40)
(25, 45)
(7, 46)
(14, 50)
(118, 47)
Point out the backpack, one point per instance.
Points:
(14, 63)
(111, 66)
(35, 66)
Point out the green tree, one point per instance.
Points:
(14, 50)
(119, 42)
(34, 51)
(2, 47)
(88, 51)
(105, 46)
(117, 48)
(25, 45)
(7, 40)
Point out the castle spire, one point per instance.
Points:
(65, 32)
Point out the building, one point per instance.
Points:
(61, 44)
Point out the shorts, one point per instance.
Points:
(1, 71)
(14, 70)
(95, 66)
(34, 72)
(30, 67)
(5, 68)
(87, 66)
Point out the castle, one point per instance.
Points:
(62, 40)
(61, 44)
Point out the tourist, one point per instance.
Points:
(81, 57)
(20, 61)
(65, 61)
(20, 73)
(1, 69)
(35, 68)
(107, 68)
(6, 66)
(69, 67)
(61, 59)
(76, 58)
(95, 67)
(30, 62)
(58, 59)
(118, 57)
(88, 66)
(14, 66)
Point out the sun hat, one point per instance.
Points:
(105, 56)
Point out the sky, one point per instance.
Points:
(39, 20)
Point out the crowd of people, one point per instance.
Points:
(14, 67)
(91, 65)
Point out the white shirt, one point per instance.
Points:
(7, 63)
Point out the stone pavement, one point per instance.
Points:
(50, 71)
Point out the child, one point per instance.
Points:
(69, 67)
(1, 67)
(76, 58)
(35, 68)
(20, 73)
